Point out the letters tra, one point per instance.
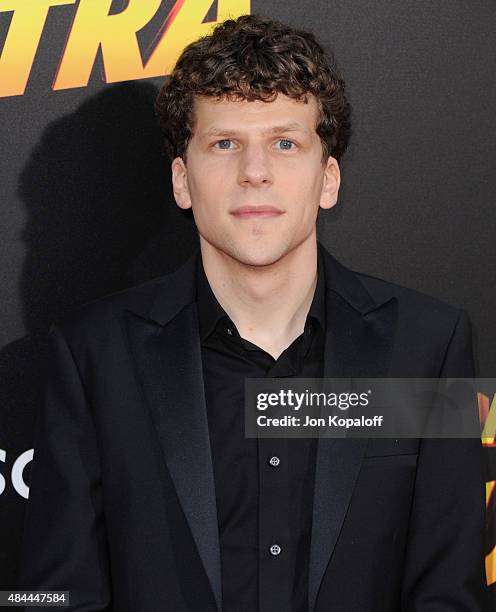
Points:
(93, 29)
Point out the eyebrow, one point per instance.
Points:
(287, 127)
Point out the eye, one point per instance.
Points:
(285, 144)
(223, 144)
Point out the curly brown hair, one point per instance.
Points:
(254, 58)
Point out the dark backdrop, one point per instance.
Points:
(87, 207)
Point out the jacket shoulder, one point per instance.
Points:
(102, 313)
(413, 305)
(166, 293)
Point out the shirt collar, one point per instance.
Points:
(210, 312)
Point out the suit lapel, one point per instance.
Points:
(167, 357)
(359, 342)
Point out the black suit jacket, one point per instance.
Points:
(122, 509)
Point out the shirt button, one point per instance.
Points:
(275, 461)
(275, 549)
(229, 331)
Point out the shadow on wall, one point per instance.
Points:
(97, 192)
(100, 217)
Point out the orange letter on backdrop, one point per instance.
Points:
(22, 41)
(116, 34)
(184, 25)
(491, 557)
(92, 27)
(487, 413)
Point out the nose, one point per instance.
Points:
(254, 167)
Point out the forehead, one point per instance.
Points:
(212, 115)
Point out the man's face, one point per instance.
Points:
(254, 176)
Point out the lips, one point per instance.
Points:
(251, 212)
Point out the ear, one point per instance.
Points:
(180, 183)
(330, 186)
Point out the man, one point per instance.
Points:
(145, 493)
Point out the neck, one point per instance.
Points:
(268, 304)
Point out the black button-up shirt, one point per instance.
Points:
(264, 487)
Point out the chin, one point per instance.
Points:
(258, 255)
(262, 251)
